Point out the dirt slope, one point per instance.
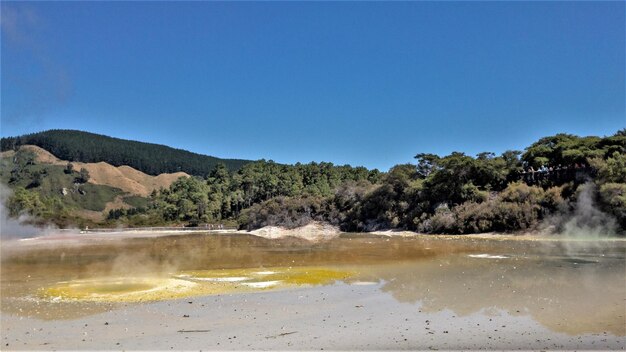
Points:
(123, 177)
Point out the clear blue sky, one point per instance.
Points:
(361, 83)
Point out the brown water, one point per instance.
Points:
(574, 287)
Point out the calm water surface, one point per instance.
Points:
(573, 287)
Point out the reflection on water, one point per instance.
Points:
(559, 293)
(568, 288)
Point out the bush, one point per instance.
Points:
(519, 192)
(515, 216)
(612, 169)
(283, 211)
(443, 221)
(472, 217)
(613, 200)
(83, 176)
(518, 207)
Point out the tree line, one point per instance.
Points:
(225, 195)
(149, 158)
(456, 193)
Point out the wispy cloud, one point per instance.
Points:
(45, 85)
(17, 22)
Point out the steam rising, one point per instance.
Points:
(586, 221)
(15, 228)
(585, 230)
(143, 264)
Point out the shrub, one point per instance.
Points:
(553, 200)
(519, 192)
(515, 216)
(613, 200)
(443, 221)
(472, 217)
(282, 211)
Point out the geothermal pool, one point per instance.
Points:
(237, 291)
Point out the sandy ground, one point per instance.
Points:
(339, 317)
(314, 231)
(530, 236)
(79, 237)
(317, 231)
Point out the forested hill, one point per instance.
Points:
(561, 183)
(150, 158)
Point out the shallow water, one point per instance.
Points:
(572, 287)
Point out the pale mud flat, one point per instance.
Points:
(315, 232)
(341, 317)
(80, 237)
(404, 292)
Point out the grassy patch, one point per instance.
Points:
(136, 201)
(51, 182)
(93, 197)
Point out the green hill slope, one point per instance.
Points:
(51, 194)
(150, 158)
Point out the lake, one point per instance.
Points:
(357, 291)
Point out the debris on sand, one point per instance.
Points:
(279, 335)
(487, 256)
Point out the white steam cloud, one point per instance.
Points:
(15, 227)
(588, 221)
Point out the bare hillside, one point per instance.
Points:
(123, 177)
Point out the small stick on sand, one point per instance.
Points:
(283, 334)
(194, 330)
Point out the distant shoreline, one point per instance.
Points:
(313, 232)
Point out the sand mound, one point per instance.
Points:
(314, 231)
(123, 177)
(7, 154)
(43, 156)
(148, 181)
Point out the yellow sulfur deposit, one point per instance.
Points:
(285, 276)
(191, 283)
(120, 289)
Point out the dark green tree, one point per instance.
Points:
(83, 176)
